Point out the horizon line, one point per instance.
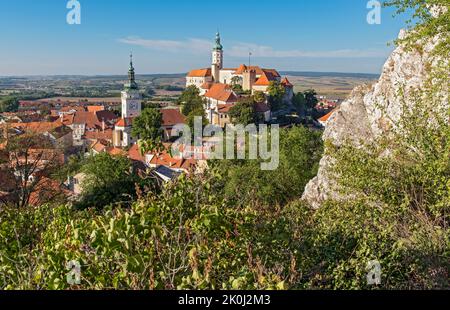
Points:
(174, 73)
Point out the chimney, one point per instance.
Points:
(103, 125)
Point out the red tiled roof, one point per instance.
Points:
(114, 151)
(267, 77)
(171, 117)
(99, 146)
(221, 92)
(271, 72)
(92, 120)
(326, 117)
(224, 108)
(36, 127)
(66, 119)
(259, 71)
(286, 82)
(72, 108)
(124, 122)
(243, 67)
(47, 190)
(95, 108)
(135, 154)
(200, 73)
(99, 134)
(206, 85)
(165, 159)
(262, 81)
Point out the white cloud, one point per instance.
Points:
(242, 50)
(201, 46)
(194, 46)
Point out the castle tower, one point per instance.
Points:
(249, 78)
(131, 99)
(217, 59)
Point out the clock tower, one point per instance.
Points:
(131, 98)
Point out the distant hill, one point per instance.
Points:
(331, 74)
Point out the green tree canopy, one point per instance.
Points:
(310, 98)
(299, 102)
(276, 93)
(9, 104)
(147, 126)
(109, 179)
(259, 96)
(244, 112)
(190, 100)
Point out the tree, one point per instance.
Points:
(237, 88)
(109, 179)
(245, 183)
(32, 160)
(244, 112)
(190, 100)
(197, 112)
(9, 104)
(276, 93)
(259, 96)
(147, 126)
(236, 80)
(236, 84)
(299, 102)
(310, 98)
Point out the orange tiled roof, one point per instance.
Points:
(36, 127)
(99, 146)
(243, 67)
(124, 122)
(95, 108)
(206, 85)
(262, 81)
(200, 73)
(93, 119)
(326, 117)
(224, 108)
(171, 117)
(268, 76)
(221, 92)
(135, 154)
(72, 108)
(286, 82)
(66, 119)
(165, 159)
(114, 151)
(47, 190)
(99, 134)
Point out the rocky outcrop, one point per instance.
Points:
(371, 110)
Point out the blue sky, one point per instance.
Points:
(174, 36)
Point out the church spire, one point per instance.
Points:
(131, 76)
(218, 46)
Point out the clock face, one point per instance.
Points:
(133, 106)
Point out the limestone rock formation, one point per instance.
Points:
(371, 110)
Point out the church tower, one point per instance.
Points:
(217, 59)
(131, 99)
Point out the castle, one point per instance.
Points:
(215, 84)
